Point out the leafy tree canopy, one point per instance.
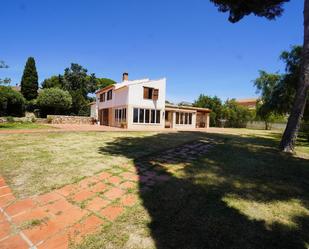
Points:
(104, 82)
(29, 81)
(54, 101)
(12, 103)
(54, 81)
(213, 103)
(239, 8)
(278, 90)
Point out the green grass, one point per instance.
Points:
(23, 125)
(39, 162)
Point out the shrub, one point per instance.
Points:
(12, 103)
(237, 116)
(10, 119)
(54, 101)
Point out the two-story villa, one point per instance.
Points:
(140, 104)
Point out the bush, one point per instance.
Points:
(10, 119)
(12, 103)
(54, 101)
(31, 105)
(237, 116)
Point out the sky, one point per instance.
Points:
(188, 42)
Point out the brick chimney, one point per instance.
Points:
(125, 76)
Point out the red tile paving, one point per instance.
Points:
(103, 175)
(129, 200)
(47, 198)
(97, 203)
(89, 225)
(111, 212)
(114, 180)
(5, 190)
(82, 195)
(14, 242)
(99, 187)
(5, 229)
(29, 215)
(67, 190)
(114, 193)
(20, 206)
(59, 241)
(5, 200)
(127, 185)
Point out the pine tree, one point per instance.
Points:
(29, 81)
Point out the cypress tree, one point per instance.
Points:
(29, 82)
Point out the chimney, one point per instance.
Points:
(125, 76)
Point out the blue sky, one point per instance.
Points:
(188, 42)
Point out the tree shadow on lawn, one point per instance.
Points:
(189, 210)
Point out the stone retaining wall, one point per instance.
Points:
(61, 119)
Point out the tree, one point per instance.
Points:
(12, 103)
(5, 80)
(79, 84)
(237, 116)
(278, 90)
(265, 85)
(104, 82)
(213, 103)
(54, 81)
(54, 101)
(29, 81)
(271, 9)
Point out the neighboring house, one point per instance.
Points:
(140, 104)
(250, 103)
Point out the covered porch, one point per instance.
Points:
(186, 117)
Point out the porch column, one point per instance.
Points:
(207, 120)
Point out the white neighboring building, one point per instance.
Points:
(140, 104)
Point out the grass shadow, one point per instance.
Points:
(191, 210)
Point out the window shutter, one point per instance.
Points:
(155, 94)
(146, 92)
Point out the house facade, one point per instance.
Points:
(140, 104)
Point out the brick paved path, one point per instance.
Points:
(65, 215)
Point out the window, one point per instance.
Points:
(109, 95)
(151, 93)
(147, 117)
(153, 116)
(158, 117)
(183, 118)
(141, 115)
(135, 115)
(101, 97)
(120, 115)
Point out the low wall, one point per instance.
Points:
(61, 119)
(261, 125)
(25, 119)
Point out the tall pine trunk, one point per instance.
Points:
(290, 134)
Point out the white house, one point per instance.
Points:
(140, 104)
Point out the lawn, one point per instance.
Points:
(39, 162)
(243, 193)
(23, 125)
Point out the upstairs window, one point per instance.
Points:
(109, 95)
(102, 97)
(151, 93)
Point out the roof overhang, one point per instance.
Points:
(185, 108)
